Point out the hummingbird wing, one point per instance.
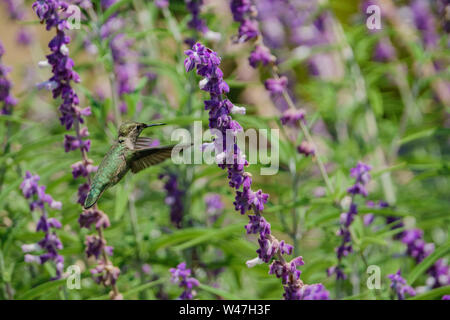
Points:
(145, 158)
(144, 143)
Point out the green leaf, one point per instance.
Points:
(219, 292)
(432, 294)
(135, 289)
(36, 291)
(210, 236)
(428, 262)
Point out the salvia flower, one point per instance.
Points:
(362, 177)
(214, 207)
(418, 249)
(206, 63)
(50, 244)
(425, 22)
(181, 276)
(384, 51)
(196, 23)
(7, 101)
(162, 3)
(54, 14)
(399, 286)
(276, 86)
(245, 13)
(261, 55)
(174, 199)
(306, 148)
(292, 117)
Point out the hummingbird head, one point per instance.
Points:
(131, 129)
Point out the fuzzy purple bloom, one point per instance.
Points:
(162, 3)
(7, 101)
(276, 86)
(384, 51)
(261, 55)
(50, 243)
(196, 23)
(214, 207)
(425, 22)
(399, 286)
(174, 199)
(206, 62)
(362, 177)
(181, 276)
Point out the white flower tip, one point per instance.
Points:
(203, 83)
(43, 64)
(220, 157)
(253, 262)
(64, 50)
(213, 36)
(57, 205)
(239, 110)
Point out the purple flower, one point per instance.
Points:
(196, 23)
(106, 274)
(162, 3)
(214, 207)
(292, 117)
(50, 243)
(368, 219)
(174, 199)
(206, 63)
(276, 86)
(418, 249)
(306, 148)
(261, 54)
(446, 297)
(244, 12)
(181, 276)
(93, 216)
(83, 169)
(425, 22)
(362, 177)
(7, 101)
(314, 292)
(399, 286)
(94, 246)
(384, 51)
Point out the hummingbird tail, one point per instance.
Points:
(92, 197)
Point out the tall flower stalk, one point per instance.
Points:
(53, 13)
(206, 63)
(7, 100)
(362, 178)
(182, 276)
(50, 244)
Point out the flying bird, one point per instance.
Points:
(129, 152)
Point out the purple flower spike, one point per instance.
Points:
(261, 54)
(50, 243)
(174, 199)
(206, 63)
(7, 101)
(276, 86)
(399, 286)
(181, 276)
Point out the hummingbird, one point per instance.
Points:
(129, 152)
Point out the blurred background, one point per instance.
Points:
(377, 96)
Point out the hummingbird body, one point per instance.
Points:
(129, 152)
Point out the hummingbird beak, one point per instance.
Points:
(153, 125)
